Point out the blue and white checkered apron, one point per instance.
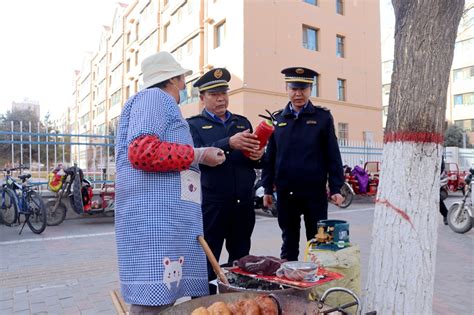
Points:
(159, 257)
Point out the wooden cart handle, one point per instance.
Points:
(212, 259)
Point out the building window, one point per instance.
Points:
(100, 129)
(313, 2)
(343, 132)
(468, 99)
(219, 34)
(340, 7)
(84, 120)
(463, 74)
(310, 38)
(127, 92)
(315, 87)
(458, 99)
(165, 32)
(464, 99)
(340, 46)
(189, 47)
(466, 124)
(112, 126)
(127, 65)
(341, 89)
(116, 98)
(457, 75)
(100, 108)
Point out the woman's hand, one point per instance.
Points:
(209, 156)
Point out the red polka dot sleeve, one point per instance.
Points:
(148, 153)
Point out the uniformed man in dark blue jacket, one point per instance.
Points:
(227, 190)
(302, 156)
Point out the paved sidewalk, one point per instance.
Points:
(71, 268)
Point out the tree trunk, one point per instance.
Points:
(403, 253)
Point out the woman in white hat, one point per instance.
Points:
(158, 193)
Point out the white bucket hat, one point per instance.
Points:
(161, 67)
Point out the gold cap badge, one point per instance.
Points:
(218, 73)
(299, 71)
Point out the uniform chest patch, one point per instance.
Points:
(240, 127)
(282, 124)
(311, 122)
(207, 127)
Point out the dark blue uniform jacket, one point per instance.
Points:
(302, 152)
(236, 176)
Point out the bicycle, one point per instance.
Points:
(9, 208)
(24, 200)
(79, 192)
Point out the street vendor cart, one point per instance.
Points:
(291, 293)
(254, 286)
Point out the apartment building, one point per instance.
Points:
(460, 98)
(460, 106)
(27, 105)
(254, 40)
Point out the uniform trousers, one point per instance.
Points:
(229, 220)
(290, 206)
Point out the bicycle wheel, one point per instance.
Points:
(37, 217)
(9, 207)
(55, 216)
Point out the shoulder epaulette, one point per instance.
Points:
(323, 108)
(278, 112)
(240, 116)
(195, 116)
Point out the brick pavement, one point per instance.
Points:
(59, 276)
(70, 269)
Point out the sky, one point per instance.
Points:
(43, 42)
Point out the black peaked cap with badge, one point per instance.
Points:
(215, 80)
(299, 77)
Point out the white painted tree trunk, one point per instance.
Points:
(403, 254)
(402, 261)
